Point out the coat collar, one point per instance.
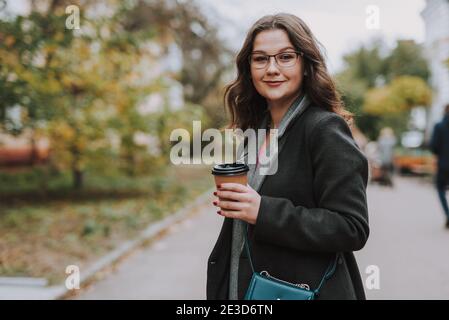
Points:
(256, 177)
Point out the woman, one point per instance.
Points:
(314, 206)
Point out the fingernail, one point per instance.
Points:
(215, 203)
(215, 193)
(219, 212)
(219, 186)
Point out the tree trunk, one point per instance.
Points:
(77, 173)
(77, 178)
(33, 153)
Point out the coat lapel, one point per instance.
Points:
(255, 177)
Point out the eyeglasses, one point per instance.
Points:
(283, 59)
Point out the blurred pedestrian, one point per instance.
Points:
(440, 147)
(385, 144)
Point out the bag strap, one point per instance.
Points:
(328, 273)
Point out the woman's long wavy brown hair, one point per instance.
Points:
(247, 107)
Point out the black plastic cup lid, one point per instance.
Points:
(230, 169)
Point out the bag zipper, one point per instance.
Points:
(300, 285)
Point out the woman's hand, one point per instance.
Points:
(238, 201)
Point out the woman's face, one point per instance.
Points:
(276, 84)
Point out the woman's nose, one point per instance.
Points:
(272, 66)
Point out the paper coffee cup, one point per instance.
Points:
(230, 173)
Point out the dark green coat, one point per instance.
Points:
(315, 205)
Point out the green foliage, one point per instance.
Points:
(381, 86)
(392, 103)
(82, 89)
(401, 95)
(366, 63)
(407, 58)
(27, 74)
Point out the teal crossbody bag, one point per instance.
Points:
(263, 286)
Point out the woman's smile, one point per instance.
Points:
(274, 84)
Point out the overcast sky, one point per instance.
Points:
(339, 25)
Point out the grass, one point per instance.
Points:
(40, 237)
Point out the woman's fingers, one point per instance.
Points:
(231, 214)
(236, 196)
(231, 205)
(233, 191)
(236, 187)
(237, 201)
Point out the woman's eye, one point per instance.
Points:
(259, 58)
(286, 56)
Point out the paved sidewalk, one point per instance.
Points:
(172, 268)
(408, 243)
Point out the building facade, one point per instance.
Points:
(436, 20)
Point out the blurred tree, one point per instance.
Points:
(407, 58)
(205, 58)
(73, 84)
(402, 94)
(364, 68)
(366, 75)
(366, 63)
(27, 76)
(410, 91)
(394, 102)
(379, 101)
(84, 88)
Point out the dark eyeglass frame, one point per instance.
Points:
(298, 53)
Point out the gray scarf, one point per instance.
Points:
(255, 180)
